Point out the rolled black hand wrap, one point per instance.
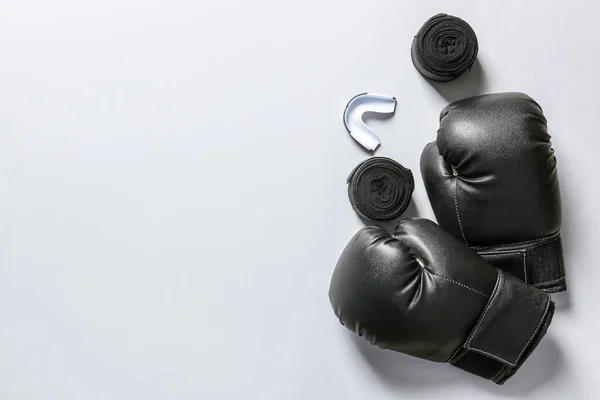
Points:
(444, 48)
(380, 188)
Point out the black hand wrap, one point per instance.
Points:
(444, 48)
(380, 188)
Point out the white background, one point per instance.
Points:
(173, 197)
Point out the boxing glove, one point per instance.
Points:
(491, 179)
(423, 293)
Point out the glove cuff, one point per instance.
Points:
(539, 263)
(512, 324)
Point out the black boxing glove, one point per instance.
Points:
(423, 293)
(492, 182)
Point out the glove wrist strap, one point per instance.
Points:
(539, 263)
(509, 329)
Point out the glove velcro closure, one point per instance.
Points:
(539, 263)
(513, 322)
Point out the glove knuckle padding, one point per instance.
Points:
(506, 168)
(503, 187)
(424, 293)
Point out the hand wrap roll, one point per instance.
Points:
(444, 48)
(380, 188)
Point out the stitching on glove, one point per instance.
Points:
(487, 307)
(549, 238)
(524, 347)
(498, 373)
(525, 266)
(418, 260)
(458, 283)
(546, 283)
(500, 253)
(455, 360)
(556, 239)
(456, 207)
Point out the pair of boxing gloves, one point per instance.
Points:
(472, 291)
